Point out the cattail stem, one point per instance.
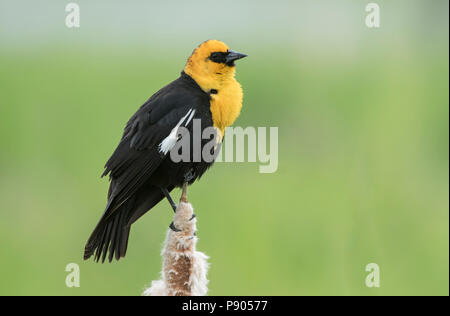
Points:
(184, 269)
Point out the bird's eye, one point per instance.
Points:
(218, 57)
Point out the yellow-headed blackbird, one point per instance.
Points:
(141, 170)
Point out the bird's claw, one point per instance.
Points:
(173, 228)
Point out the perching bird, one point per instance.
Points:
(141, 169)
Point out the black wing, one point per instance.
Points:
(138, 155)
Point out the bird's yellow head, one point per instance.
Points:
(211, 65)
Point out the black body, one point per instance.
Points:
(137, 168)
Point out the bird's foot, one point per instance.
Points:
(173, 228)
(183, 199)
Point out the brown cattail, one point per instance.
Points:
(184, 269)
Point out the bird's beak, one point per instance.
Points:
(232, 56)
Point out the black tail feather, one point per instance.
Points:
(112, 232)
(111, 237)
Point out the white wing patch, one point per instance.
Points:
(190, 118)
(170, 141)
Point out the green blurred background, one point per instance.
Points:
(363, 117)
